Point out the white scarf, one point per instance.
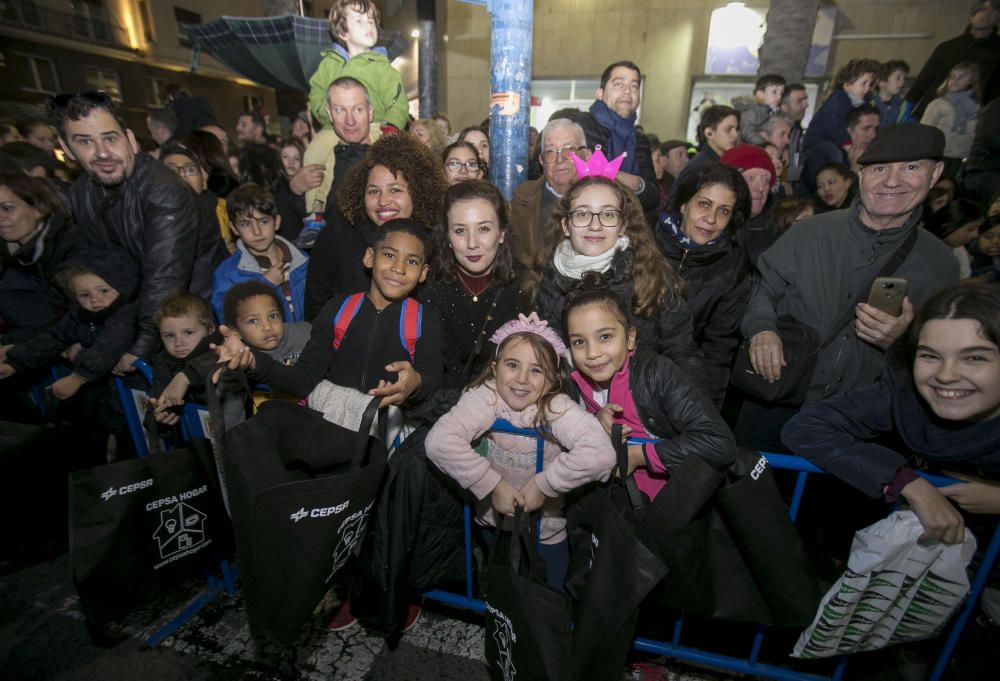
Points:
(571, 264)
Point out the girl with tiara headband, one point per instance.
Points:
(599, 226)
(523, 385)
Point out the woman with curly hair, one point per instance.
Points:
(598, 226)
(397, 178)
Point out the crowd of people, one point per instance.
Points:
(849, 271)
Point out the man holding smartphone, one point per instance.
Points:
(827, 265)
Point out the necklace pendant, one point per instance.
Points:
(475, 299)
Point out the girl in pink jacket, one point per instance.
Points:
(523, 386)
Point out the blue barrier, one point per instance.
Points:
(214, 587)
(751, 664)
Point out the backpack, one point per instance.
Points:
(410, 320)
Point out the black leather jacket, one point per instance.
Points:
(155, 217)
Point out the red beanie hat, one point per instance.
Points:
(747, 156)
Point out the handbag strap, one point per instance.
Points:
(626, 480)
(887, 270)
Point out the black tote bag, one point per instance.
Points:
(731, 551)
(141, 525)
(528, 626)
(300, 493)
(614, 571)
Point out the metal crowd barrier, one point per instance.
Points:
(751, 664)
(214, 586)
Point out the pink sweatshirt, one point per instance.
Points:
(588, 455)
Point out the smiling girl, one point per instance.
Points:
(523, 385)
(940, 398)
(598, 226)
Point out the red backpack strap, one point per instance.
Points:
(345, 315)
(410, 319)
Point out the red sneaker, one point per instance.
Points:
(342, 617)
(412, 615)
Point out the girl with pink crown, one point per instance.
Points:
(523, 385)
(599, 226)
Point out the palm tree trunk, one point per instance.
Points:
(785, 49)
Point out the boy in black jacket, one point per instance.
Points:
(360, 341)
(103, 283)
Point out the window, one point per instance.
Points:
(146, 17)
(34, 74)
(185, 18)
(90, 20)
(21, 12)
(103, 79)
(156, 92)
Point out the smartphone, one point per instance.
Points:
(887, 294)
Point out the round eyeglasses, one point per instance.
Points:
(608, 217)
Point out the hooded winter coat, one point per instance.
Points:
(105, 335)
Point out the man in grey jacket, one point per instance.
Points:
(827, 263)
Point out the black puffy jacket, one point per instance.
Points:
(670, 333)
(104, 335)
(718, 282)
(675, 412)
(154, 216)
(30, 297)
(596, 134)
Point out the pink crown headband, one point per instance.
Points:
(597, 165)
(529, 324)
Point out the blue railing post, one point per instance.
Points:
(510, 91)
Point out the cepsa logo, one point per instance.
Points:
(322, 512)
(126, 489)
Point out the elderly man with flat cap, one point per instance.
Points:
(823, 268)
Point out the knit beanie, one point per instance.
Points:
(748, 156)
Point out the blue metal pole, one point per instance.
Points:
(510, 91)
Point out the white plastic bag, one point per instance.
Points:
(893, 590)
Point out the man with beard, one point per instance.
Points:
(129, 199)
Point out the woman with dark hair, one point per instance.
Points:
(397, 178)
(291, 151)
(261, 165)
(38, 234)
(475, 282)
(957, 225)
(696, 234)
(461, 162)
(836, 187)
(936, 406)
(221, 179)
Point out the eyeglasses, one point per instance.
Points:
(454, 165)
(609, 217)
(60, 101)
(185, 170)
(550, 155)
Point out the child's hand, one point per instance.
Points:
(533, 496)
(407, 381)
(67, 386)
(276, 274)
(607, 417)
(6, 370)
(173, 394)
(126, 365)
(3, 351)
(167, 418)
(976, 495)
(233, 353)
(309, 177)
(504, 496)
(71, 352)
